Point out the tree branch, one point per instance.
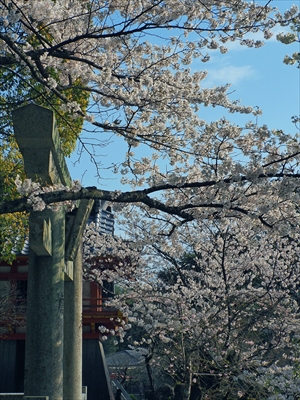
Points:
(141, 196)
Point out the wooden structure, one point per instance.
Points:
(13, 279)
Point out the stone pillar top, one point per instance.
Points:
(39, 142)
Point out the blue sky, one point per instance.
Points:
(258, 77)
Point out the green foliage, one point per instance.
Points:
(13, 227)
(18, 89)
(13, 231)
(110, 345)
(69, 124)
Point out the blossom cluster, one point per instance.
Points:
(34, 191)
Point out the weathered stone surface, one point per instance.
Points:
(38, 140)
(45, 308)
(73, 332)
(76, 228)
(40, 234)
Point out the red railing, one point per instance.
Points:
(94, 314)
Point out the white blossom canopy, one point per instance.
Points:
(132, 58)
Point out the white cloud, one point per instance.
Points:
(228, 74)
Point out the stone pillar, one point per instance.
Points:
(45, 308)
(73, 333)
(75, 225)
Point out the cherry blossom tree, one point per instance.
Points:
(132, 59)
(219, 306)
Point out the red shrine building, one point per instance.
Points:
(13, 286)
